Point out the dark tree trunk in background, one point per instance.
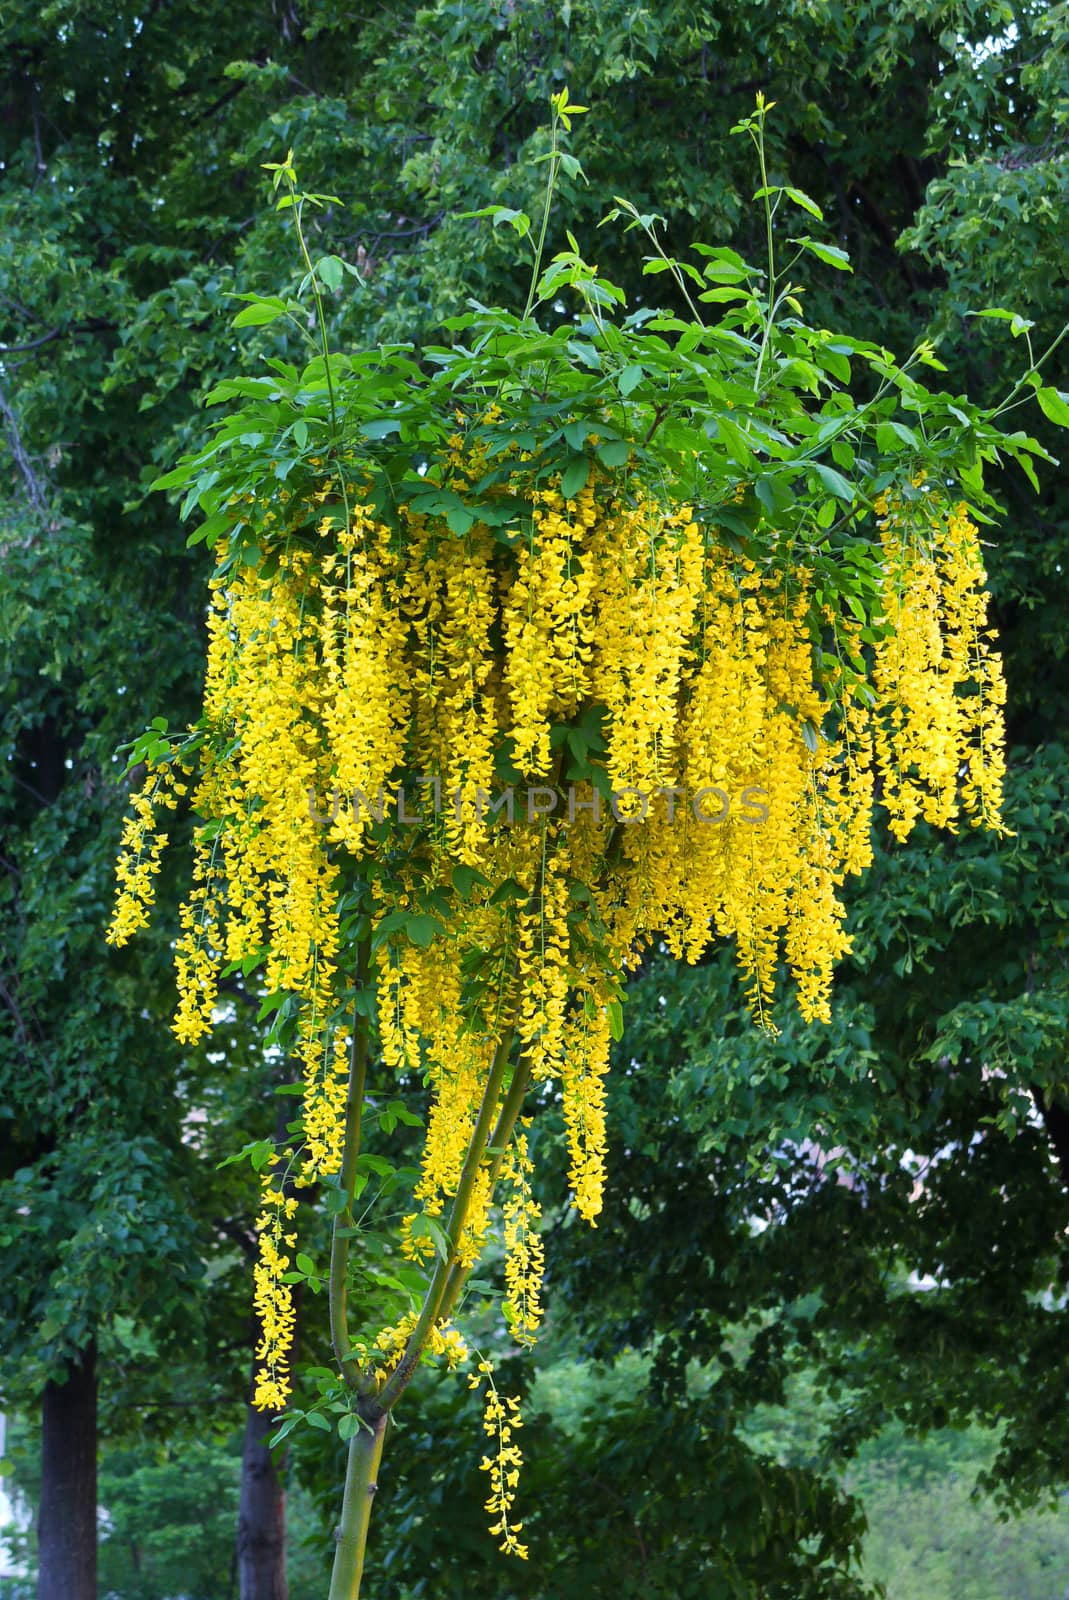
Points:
(1056, 1122)
(261, 1515)
(67, 1520)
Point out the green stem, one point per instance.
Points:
(399, 1379)
(361, 1482)
(651, 234)
(1022, 382)
(320, 313)
(343, 1221)
(760, 142)
(365, 1447)
(551, 184)
(499, 1141)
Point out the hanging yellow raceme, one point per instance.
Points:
(545, 747)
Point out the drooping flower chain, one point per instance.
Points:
(681, 766)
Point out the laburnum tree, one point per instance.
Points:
(128, 139)
(585, 632)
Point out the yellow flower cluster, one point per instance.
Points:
(548, 625)
(501, 1420)
(445, 1342)
(524, 1252)
(940, 684)
(584, 1070)
(143, 844)
(273, 1299)
(541, 746)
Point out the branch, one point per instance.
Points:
(401, 1375)
(659, 414)
(32, 344)
(499, 1140)
(23, 311)
(93, 325)
(22, 460)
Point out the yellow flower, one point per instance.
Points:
(377, 696)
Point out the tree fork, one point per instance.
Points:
(401, 1375)
(372, 1411)
(499, 1140)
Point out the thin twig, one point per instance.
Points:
(22, 460)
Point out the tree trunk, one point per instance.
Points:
(261, 1516)
(67, 1520)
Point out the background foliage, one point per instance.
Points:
(911, 1263)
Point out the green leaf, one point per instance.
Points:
(510, 889)
(465, 879)
(173, 479)
(316, 1419)
(331, 269)
(500, 214)
(1054, 405)
(306, 1265)
(723, 295)
(459, 520)
(262, 311)
(1018, 324)
(800, 198)
(614, 452)
(574, 476)
(376, 1164)
(834, 482)
(774, 493)
(257, 1151)
(400, 1111)
(830, 254)
(270, 1003)
(629, 379)
(209, 530)
(421, 929)
(285, 1429)
(891, 434)
(424, 1227)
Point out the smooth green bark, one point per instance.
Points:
(361, 1482)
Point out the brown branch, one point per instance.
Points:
(22, 460)
(32, 344)
(21, 1030)
(94, 325)
(659, 414)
